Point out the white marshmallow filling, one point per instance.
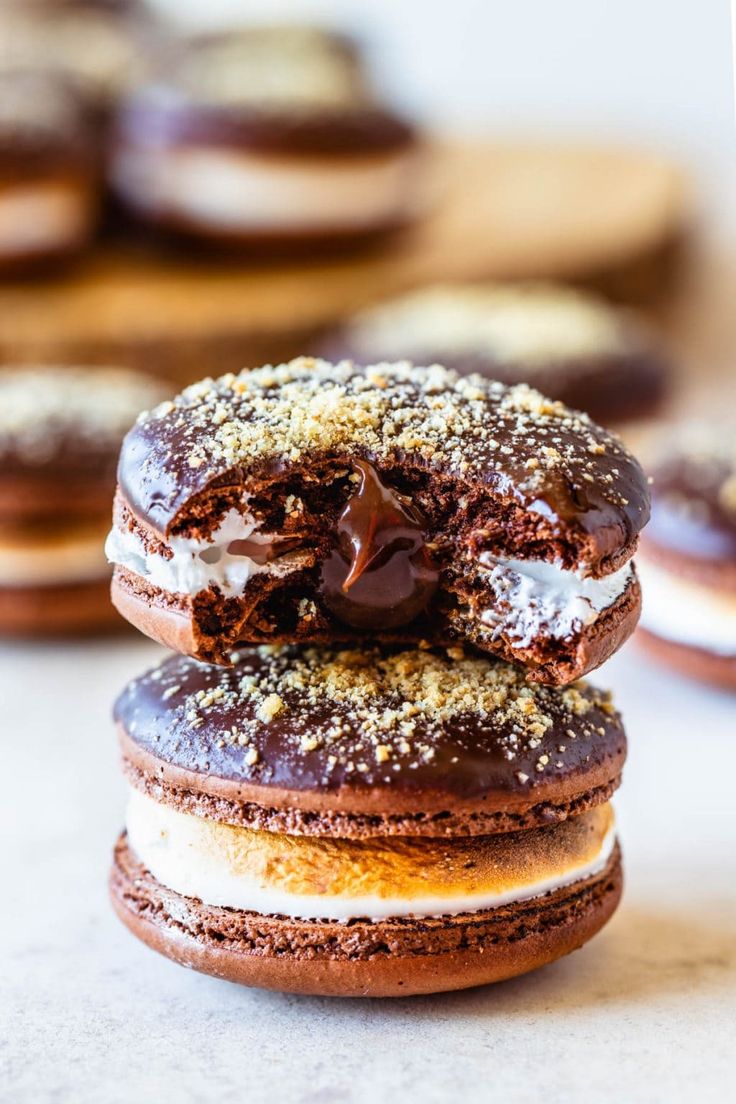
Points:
(232, 190)
(688, 613)
(71, 558)
(228, 559)
(535, 598)
(324, 879)
(40, 216)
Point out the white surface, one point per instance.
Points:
(643, 1013)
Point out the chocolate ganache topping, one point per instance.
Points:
(493, 444)
(381, 574)
(417, 720)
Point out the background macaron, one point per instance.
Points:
(60, 431)
(267, 136)
(569, 344)
(49, 176)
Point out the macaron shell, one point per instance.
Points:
(388, 958)
(694, 663)
(75, 609)
(485, 751)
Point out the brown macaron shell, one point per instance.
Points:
(385, 958)
(429, 745)
(516, 476)
(57, 610)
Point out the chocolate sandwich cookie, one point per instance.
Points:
(269, 136)
(48, 174)
(375, 822)
(569, 344)
(60, 431)
(316, 502)
(688, 560)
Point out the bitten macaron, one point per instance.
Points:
(315, 502)
(266, 137)
(380, 822)
(60, 433)
(569, 344)
(688, 558)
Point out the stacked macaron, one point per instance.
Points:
(373, 768)
(60, 433)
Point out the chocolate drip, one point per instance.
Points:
(381, 574)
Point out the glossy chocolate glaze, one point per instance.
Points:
(298, 750)
(381, 575)
(610, 387)
(359, 131)
(591, 491)
(694, 503)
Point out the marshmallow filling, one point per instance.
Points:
(688, 613)
(535, 598)
(532, 598)
(71, 557)
(239, 191)
(333, 879)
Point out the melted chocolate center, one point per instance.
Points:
(380, 575)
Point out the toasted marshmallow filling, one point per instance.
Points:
(332, 879)
(687, 613)
(36, 217)
(228, 559)
(536, 599)
(66, 558)
(240, 191)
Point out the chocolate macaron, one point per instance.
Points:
(48, 170)
(688, 559)
(567, 343)
(313, 502)
(266, 137)
(60, 432)
(376, 822)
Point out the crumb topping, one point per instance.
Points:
(367, 713)
(44, 408)
(527, 324)
(465, 424)
(271, 67)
